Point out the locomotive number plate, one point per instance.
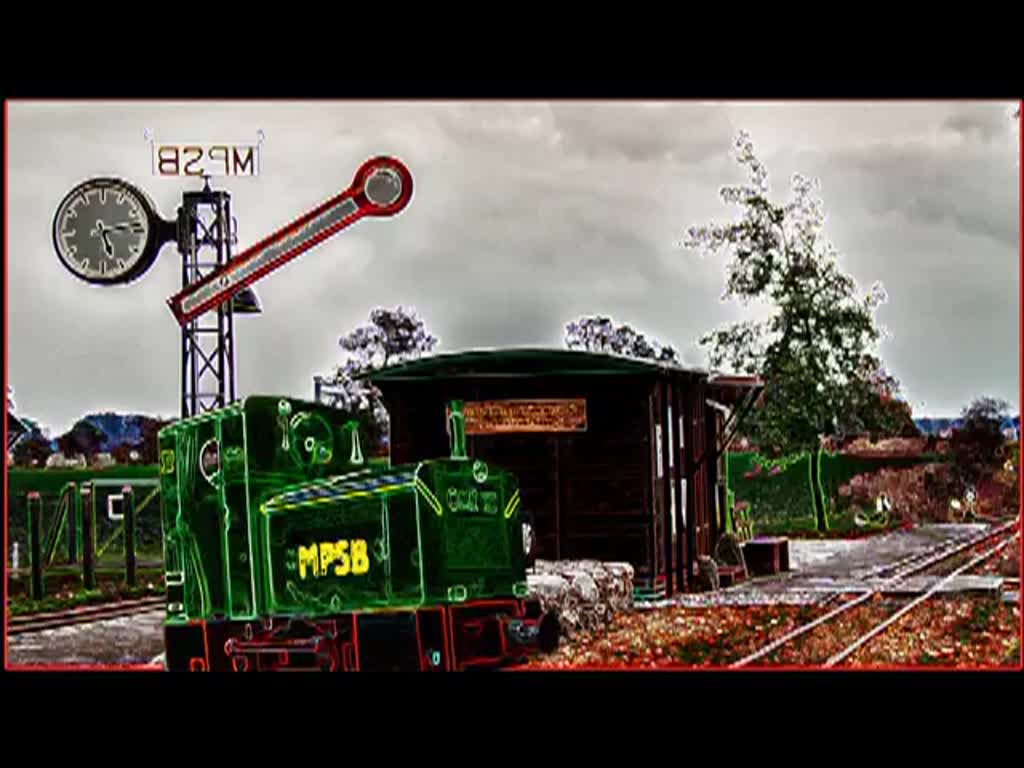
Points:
(346, 557)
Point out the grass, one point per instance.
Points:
(978, 622)
(1012, 657)
(69, 580)
(24, 606)
(116, 564)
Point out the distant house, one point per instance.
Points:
(103, 461)
(934, 427)
(1011, 429)
(58, 461)
(943, 428)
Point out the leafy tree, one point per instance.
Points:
(975, 445)
(148, 447)
(597, 333)
(31, 448)
(814, 353)
(122, 453)
(35, 429)
(392, 336)
(877, 408)
(83, 438)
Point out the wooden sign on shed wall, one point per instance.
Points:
(492, 417)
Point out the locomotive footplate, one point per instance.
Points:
(477, 635)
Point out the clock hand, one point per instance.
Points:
(102, 232)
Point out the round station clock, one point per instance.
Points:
(107, 231)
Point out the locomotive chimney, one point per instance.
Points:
(356, 456)
(458, 430)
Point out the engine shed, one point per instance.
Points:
(618, 459)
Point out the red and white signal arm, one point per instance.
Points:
(381, 187)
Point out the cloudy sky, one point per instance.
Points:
(525, 216)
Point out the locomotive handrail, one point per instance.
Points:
(458, 430)
(356, 457)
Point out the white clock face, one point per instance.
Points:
(102, 231)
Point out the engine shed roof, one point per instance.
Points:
(525, 362)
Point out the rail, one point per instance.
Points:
(905, 568)
(42, 621)
(870, 635)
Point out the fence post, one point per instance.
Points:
(88, 542)
(129, 535)
(72, 513)
(35, 513)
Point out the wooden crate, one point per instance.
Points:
(766, 556)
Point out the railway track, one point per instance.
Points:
(17, 625)
(869, 626)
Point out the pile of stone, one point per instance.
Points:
(585, 594)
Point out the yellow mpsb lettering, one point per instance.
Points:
(308, 559)
(327, 555)
(342, 568)
(342, 558)
(360, 560)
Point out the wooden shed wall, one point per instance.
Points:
(589, 491)
(594, 494)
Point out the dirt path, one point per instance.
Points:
(133, 639)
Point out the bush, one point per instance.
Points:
(916, 493)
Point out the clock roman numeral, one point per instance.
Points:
(137, 227)
(120, 264)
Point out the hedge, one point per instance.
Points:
(787, 494)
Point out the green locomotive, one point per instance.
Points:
(283, 549)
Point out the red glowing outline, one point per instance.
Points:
(445, 610)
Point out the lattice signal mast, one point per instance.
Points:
(206, 232)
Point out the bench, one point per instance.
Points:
(766, 556)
